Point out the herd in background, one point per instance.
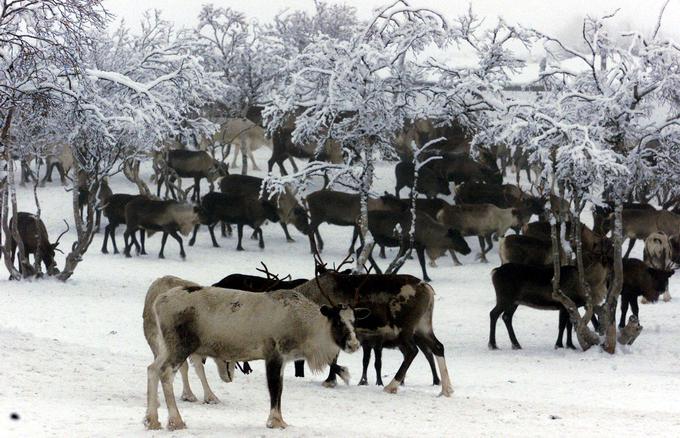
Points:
(368, 310)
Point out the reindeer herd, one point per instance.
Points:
(242, 318)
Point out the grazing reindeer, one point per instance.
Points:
(482, 220)
(640, 223)
(429, 234)
(531, 285)
(640, 279)
(343, 209)
(33, 235)
(224, 324)
(192, 164)
(170, 217)
(239, 210)
(401, 309)
(658, 254)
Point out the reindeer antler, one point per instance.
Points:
(56, 242)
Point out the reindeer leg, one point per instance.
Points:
(274, 367)
(259, 231)
(493, 317)
(142, 237)
(285, 231)
(331, 381)
(562, 325)
(355, 235)
(193, 236)
(299, 368)
(365, 360)
(129, 237)
(631, 243)
(507, 319)
(624, 310)
(209, 396)
(292, 163)
(634, 307)
(163, 240)
(456, 262)
(239, 228)
(211, 228)
(420, 251)
(409, 350)
(178, 238)
(112, 232)
(378, 363)
(252, 159)
(482, 246)
(106, 238)
(187, 394)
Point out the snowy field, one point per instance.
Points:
(75, 356)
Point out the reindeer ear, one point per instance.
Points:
(328, 311)
(361, 313)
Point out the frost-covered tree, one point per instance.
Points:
(589, 134)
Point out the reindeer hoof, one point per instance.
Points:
(558, 345)
(105, 251)
(363, 382)
(239, 248)
(516, 347)
(446, 392)
(152, 423)
(115, 251)
(161, 256)
(276, 423)
(211, 399)
(436, 382)
(290, 240)
(571, 346)
(176, 424)
(392, 388)
(493, 346)
(379, 382)
(189, 397)
(329, 383)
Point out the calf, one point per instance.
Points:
(222, 323)
(192, 164)
(658, 254)
(238, 210)
(640, 279)
(430, 183)
(343, 209)
(33, 235)
(531, 285)
(288, 208)
(482, 220)
(401, 309)
(429, 234)
(170, 217)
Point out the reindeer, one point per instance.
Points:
(191, 164)
(640, 223)
(61, 158)
(343, 209)
(238, 210)
(244, 135)
(502, 196)
(284, 148)
(429, 234)
(114, 211)
(482, 220)
(400, 316)
(223, 323)
(531, 285)
(641, 279)
(36, 241)
(288, 208)
(658, 254)
(430, 182)
(170, 217)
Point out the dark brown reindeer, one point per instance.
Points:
(401, 309)
(36, 241)
(236, 210)
(531, 285)
(190, 164)
(430, 182)
(171, 217)
(429, 235)
(288, 208)
(343, 209)
(641, 279)
(114, 210)
(283, 148)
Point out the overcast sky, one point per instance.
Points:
(554, 17)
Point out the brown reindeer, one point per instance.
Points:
(33, 235)
(191, 164)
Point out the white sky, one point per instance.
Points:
(554, 17)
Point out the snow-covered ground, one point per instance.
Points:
(74, 357)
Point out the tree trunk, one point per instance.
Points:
(366, 183)
(616, 284)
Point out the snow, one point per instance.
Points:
(75, 357)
